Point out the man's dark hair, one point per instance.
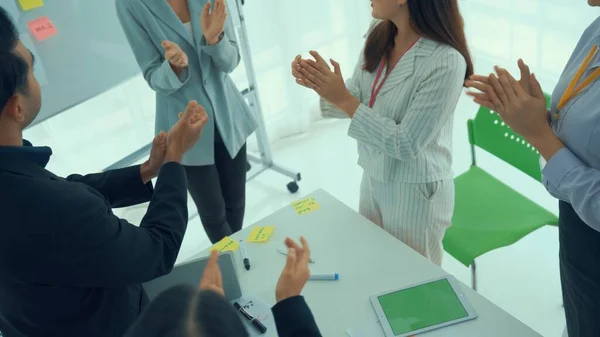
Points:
(13, 68)
(185, 311)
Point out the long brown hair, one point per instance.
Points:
(437, 20)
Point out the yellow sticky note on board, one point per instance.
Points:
(260, 234)
(27, 5)
(226, 244)
(305, 206)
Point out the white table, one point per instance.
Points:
(369, 261)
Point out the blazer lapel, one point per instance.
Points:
(162, 11)
(406, 65)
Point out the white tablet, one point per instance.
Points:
(422, 307)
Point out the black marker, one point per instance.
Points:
(245, 255)
(255, 323)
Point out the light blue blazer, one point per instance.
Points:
(149, 22)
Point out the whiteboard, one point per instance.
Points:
(88, 56)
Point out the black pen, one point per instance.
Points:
(244, 255)
(255, 323)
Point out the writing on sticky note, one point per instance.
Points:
(226, 244)
(42, 28)
(28, 5)
(261, 234)
(305, 206)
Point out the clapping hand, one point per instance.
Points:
(186, 131)
(318, 76)
(295, 274)
(521, 104)
(173, 53)
(525, 112)
(296, 71)
(149, 169)
(211, 277)
(483, 85)
(212, 21)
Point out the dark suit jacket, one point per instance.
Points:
(68, 266)
(294, 318)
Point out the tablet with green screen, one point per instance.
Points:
(422, 307)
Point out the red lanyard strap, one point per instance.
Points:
(375, 89)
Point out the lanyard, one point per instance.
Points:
(375, 89)
(573, 89)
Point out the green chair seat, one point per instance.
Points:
(489, 215)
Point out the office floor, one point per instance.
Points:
(522, 279)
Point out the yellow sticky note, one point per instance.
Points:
(226, 244)
(261, 234)
(27, 5)
(305, 206)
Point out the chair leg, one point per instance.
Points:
(474, 275)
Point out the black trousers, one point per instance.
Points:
(579, 273)
(219, 191)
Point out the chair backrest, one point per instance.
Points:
(488, 132)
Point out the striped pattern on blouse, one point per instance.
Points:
(407, 135)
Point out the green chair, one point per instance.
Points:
(489, 214)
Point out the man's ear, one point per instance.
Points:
(13, 109)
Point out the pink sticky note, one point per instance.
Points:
(42, 28)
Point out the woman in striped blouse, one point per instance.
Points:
(401, 99)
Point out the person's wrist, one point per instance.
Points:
(211, 41)
(283, 297)
(349, 104)
(147, 173)
(546, 142)
(284, 294)
(177, 70)
(173, 155)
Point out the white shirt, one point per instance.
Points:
(188, 27)
(407, 135)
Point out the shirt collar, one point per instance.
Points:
(40, 155)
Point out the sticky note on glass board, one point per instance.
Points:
(28, 5)
(260, 234)
(42, 28)
(226, 244)
(305, 206)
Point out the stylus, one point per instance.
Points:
(245, 255)
(281, 251)
(255, 322)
